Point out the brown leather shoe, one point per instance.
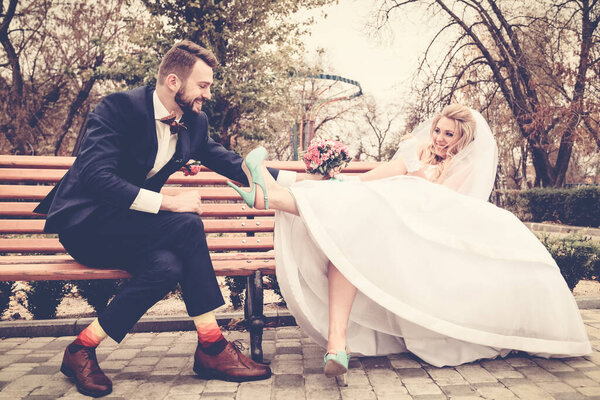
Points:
(80, 363)
(229, 365)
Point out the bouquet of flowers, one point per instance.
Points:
(324, 155)
(192, 167)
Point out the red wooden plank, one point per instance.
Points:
(35, 226)
(15, 209)
(214, 244)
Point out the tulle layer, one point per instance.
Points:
(445, 276)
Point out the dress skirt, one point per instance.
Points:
(447, 277)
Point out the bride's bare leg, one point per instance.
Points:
(279, 197)
(341, 298)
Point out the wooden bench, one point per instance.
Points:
(240, 238)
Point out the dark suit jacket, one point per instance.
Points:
(118, 151)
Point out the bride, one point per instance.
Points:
(410, 256)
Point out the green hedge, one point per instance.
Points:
(578, 206)
(577, 257)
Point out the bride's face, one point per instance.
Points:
(443, 136)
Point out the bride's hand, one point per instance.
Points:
(332, 173)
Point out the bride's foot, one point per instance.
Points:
(335, 363)
(256, 172)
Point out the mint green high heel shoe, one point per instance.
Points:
(252, 167)
(335, 365)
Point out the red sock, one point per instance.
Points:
(209, 333)
(91, 336)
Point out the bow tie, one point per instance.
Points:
(175, 126)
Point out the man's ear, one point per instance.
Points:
(173, 82)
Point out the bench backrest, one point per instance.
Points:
(232, 227)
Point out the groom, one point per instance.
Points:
(108, 213)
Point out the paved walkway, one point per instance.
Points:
(159, 366)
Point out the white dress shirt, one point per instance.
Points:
(149, 201)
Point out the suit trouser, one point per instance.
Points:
(158, 250)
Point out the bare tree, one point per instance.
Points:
(55, 53)
(523, 52)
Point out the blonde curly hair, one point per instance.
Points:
(465, 128)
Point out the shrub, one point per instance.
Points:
(578, 206)
(6, 289)
(44, 296)
(576, 257)
(274, 285)
(583, 207)
(97, 293)
(236, 285)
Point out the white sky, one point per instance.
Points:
(384, 67)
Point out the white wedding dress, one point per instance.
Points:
(447, 276)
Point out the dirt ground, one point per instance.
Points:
(73, 306)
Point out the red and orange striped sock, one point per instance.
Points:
(209, 334)
(91, 336)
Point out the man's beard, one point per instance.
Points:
(186, 105)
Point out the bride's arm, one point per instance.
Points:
(385, 170)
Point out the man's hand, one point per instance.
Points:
(188, 201)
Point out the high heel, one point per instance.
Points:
(335, 365)
(252, 167)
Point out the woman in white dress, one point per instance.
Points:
(410, 256)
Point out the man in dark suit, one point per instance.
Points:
(108, 212)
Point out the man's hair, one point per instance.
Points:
(182, 57)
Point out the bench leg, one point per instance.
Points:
(254, 314)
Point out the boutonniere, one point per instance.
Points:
(192, 167)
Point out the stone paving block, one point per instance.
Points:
(249, 392)
(289, 394)
(150, 391)
(589, 391)
(576, 379)
(579, 363)
(375, 362)
(11, 375)
(288, 333)
(458, 390)
(570, 396)
(186, 396)
(520, 361)
(446, 376)
(293, 367)
(350, 393)
(422, 388)
(383, 377)
(392, 393)
(57, 386)
(530, 392)
(496, 392)
(321, 394)
(144, 361)
(414, 375)
(288, 347)
(537, 374)
(556, 387)
(313, 352)
(553, 365)
(356, 378)
(288, 357)
(28, 383)
(44, 370)
(7, 359)
(288, 381)
(401, 363)
(214, 385)
(123, 354)
(172, 362)
(475, 373)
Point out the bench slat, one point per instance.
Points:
(214, 244)
(36, 226)
(36, 192)
(74, 271)
(54, 175)
(25, 209)
(62, 258)
(47, 162)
